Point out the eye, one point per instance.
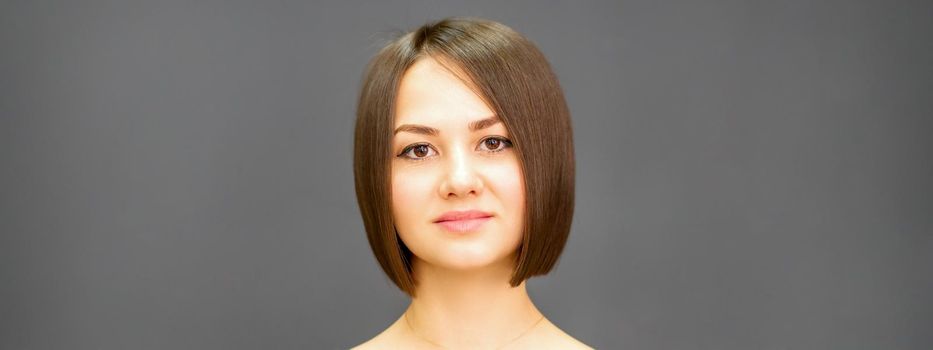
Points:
(496, 143)
(418, 151)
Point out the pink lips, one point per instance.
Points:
(463, 221)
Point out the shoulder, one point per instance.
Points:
(549, 336)
(371, 344)
(388, 339)
(378, 342)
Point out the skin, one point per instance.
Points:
(463, 298)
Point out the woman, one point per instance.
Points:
(464, 174)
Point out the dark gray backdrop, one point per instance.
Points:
(750, 176)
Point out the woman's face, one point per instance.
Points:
(443, 164)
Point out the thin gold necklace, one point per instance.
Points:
(498, 347)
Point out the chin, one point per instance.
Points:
(469, 258)
(474, 250)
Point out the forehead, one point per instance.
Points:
(429, 93)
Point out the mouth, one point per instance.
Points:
(463, 221)
(467, 225)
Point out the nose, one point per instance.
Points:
(461, 178)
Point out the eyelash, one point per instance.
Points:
(506, 142)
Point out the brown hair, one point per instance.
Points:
(515, 80)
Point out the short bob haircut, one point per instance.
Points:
(514, 79)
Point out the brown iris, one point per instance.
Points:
(492, 143)
(421, 150)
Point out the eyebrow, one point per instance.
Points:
(427, 130)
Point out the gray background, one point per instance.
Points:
(750, 176)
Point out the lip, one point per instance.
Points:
(455, 215)
(463, 221)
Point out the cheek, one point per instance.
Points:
(409, 193)
(510, 190)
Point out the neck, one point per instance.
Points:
(469, 308)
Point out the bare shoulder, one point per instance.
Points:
(551, 337)
(372, 344)
(378, 342)
(388, 339)
(548, 336)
